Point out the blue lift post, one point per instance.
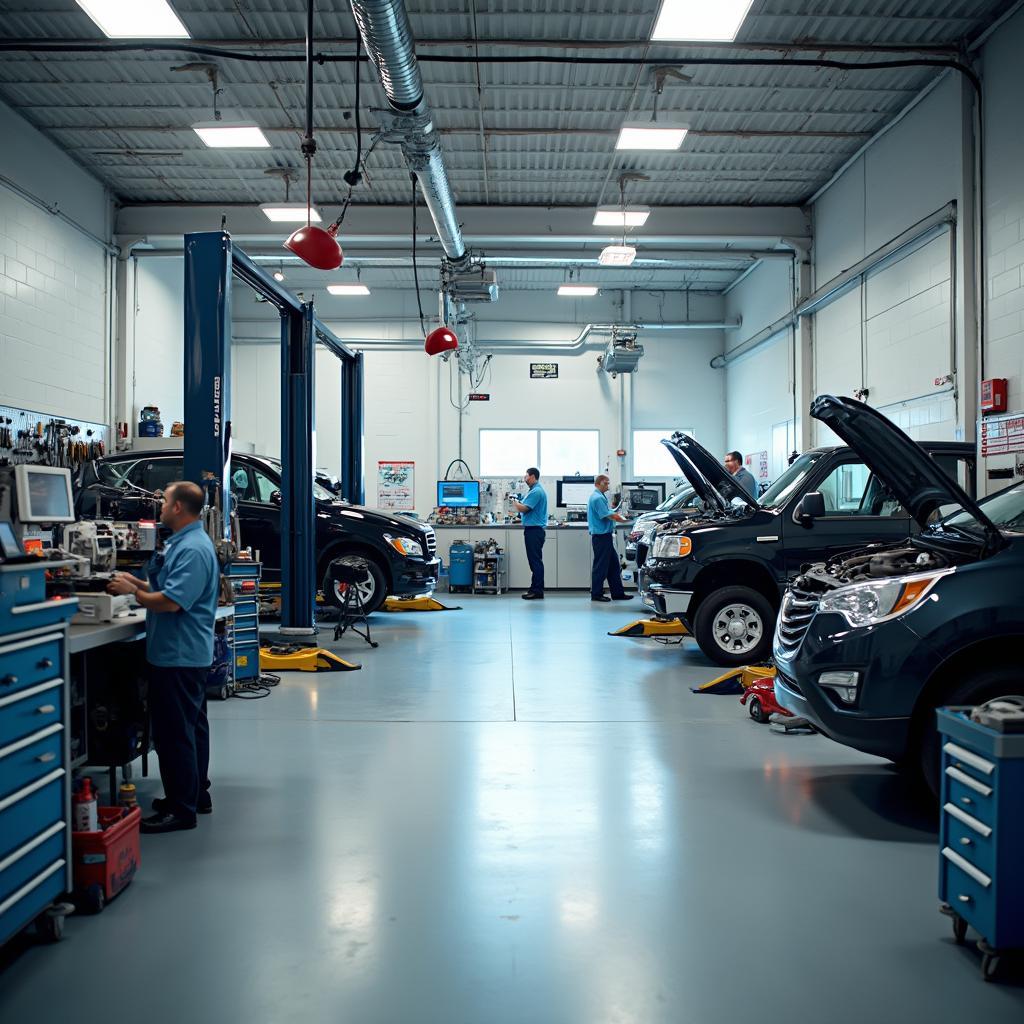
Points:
(210, 263)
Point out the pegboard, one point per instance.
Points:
(27, 436)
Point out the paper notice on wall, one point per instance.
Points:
(396, 485)
(757, 464)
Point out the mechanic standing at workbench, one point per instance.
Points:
(180, 598)
(534, 510)
(601, 520)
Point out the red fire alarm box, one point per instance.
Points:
(993, 395)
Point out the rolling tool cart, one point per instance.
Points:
(244, 578)
(460, 567)
(981, 836)
(490, 574)
(35, 770)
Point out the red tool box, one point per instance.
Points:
(106, 861)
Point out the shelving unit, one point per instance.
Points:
(490, 573)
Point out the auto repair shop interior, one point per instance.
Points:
(606, 423)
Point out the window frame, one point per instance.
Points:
(637, 475)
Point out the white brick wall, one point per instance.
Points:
(52, 323)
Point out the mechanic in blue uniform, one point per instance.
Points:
(180, 598)
(601, 520)
(534, 509)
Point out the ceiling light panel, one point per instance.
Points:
(135, 19)
(650, 135)
(290, 213)
(231, 135)
(619, 217)
(617, 256)
(578, 290)
(348, 289)
(700, 21)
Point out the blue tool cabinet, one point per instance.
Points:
(981, 837)
(245, 591)
(35, 767)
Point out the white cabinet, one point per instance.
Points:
(574, 559)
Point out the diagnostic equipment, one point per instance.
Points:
(44, 494)
(458, 493)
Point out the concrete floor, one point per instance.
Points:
(508, 816)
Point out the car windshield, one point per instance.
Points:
(783, 489)
(320, 493)
(1005, 509)
(677, 500)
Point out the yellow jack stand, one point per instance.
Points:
(736, 680)
(653, 627)
(292, 658)
(415, 604)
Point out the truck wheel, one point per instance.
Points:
(373, 591)
(978, 687)
(734, 626)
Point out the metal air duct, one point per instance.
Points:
(387, 38)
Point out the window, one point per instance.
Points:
(507, 452)
(265, 487)
(650, 457)
(570, 452)
(845, 490)
(157, 474)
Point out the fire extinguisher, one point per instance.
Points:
(86, 816)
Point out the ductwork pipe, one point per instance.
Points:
(387, 37)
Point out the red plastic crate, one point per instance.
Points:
(106, 861)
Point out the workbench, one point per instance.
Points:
(567, 552)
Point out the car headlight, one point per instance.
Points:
(405, 546)
(864, 604)
(672, 546)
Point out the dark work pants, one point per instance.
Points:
(534, 538)
(606, 566)
(181, 733)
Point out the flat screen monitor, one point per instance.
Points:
(574, 490)
(458, 493)
(644, 497)
(44, 494)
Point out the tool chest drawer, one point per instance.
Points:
(29, 710)
(27, 662)
(981, 835)
(33, 856)
(31, 757)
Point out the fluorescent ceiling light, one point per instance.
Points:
(231, 135)
(650, 135)
(616, 217)
(348, 289)
(577, 289)
(617, 256)
(290, 213)
(700, 21)
(135, 19)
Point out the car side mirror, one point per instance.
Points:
(275, 498)
(811, 507)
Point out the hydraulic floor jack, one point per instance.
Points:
(657, 627)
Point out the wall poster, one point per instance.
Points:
(757, 464)
(396, 486)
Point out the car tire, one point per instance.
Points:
(978, 687)
(376, 589)
(714, 633)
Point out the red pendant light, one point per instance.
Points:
(441, 339)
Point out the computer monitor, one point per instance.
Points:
(458, 493)
(44, 494)
(644, 497)
(574, 490)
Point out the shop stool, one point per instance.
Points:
(347, 574)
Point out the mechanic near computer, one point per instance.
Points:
(601, 520)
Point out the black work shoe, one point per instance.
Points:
(164, 823)
(531, 596)
(622, 597)
(603, 597)
(161, 806)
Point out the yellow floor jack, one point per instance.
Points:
(663, 628)
(736, 680)
(299, 658)
(416, 604)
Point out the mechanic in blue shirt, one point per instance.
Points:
(180, 598)
(601, 520)
(534, 509)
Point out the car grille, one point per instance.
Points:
(798, 608)
(431, 541)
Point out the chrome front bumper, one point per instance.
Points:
(664, 601)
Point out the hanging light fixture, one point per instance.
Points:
(312, 244)
(440, 339)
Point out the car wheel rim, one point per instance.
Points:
(737, 628)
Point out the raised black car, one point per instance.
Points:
(400, 552)
(870, 643)
(723, 571)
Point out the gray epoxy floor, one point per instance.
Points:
(509, 816)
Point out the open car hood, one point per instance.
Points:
(706, 475)
(910, 473)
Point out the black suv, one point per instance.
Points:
(871, 642)
(400, 552)
(723, 571)
(685, 499)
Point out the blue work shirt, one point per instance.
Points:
(536, 499)
(599, 513)
(186, 572)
